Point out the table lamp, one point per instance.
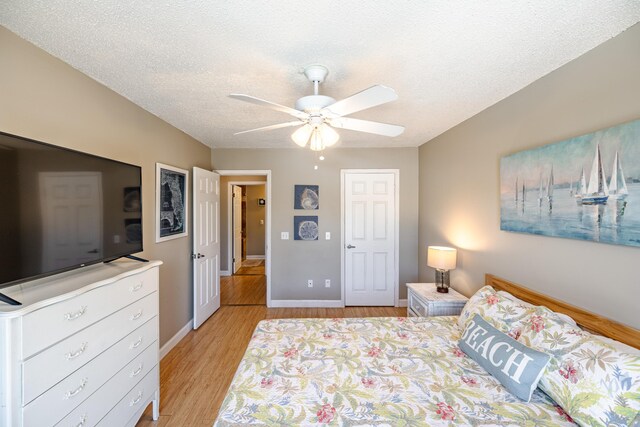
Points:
(442, 259)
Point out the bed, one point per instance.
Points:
(385, 372)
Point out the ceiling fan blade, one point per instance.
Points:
(252, 99)
(375, 95)
(367, 126)
(271, 127)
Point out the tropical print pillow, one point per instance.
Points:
(502, 312)
(594, 379)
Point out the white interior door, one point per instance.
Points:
(237, 227)
(72, 223)
(206, 245)
(369, 232)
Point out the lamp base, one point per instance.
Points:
(442, 281)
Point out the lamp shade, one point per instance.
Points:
(302, 135)
(329, 136)
(316, 140)
(441, 257)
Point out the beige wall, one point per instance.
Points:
(255, 214)
(459, 176)
(47, 100)
(294, 262)
(225, 225)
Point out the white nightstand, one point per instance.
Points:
(425, 301)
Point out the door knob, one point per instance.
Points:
(350, 246)
(197, 256)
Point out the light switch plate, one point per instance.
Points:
(327, 235)
(284, 235)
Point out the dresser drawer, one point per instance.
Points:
(136, 399)
(51, 324)
(93, 409)
(59, 400)
(47, 368)
(417, 306)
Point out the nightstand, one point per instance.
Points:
(425, 301)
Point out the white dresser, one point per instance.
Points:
(82, 349)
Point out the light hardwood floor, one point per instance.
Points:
(243, 290)
(195, 375)
(251, 266)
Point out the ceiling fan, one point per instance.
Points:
(319, 114)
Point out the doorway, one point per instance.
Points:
(248, 225)
(246, 250)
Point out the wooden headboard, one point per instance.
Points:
(590, 321)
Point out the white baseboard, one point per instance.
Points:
(333, 303)
(255, 256)
(224, 273)
(166, 348)
(402, 303)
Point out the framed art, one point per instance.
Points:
(306, 197)
(305, 228)
(586, 188)
(172, 186)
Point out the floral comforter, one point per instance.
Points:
(374, 372)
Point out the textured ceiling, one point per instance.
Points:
(447, 59)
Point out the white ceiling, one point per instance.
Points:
(447, 59)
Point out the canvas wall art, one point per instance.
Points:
(587, 187)
(172, 185)
(306, 197)
(305, 228)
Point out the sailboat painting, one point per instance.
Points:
(586, 188)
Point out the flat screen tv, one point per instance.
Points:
(63, 209)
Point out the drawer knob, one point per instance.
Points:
(74, 316)
(137, 399)
(83, 419)
(136, 344)
(72, 393)
(136, 316)
(137, 371)
(73, 354)
(136, 288)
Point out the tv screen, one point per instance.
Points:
(62, 209)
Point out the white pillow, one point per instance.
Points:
(562, 316)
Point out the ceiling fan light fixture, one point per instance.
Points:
(302, 135)
(316, 143)
(319, 114)
(329, 135)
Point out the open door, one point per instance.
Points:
(206, 245)
(237, 228)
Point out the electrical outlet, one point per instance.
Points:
(327, 235)
(310, 283)
(327, 283)
(284, 235)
